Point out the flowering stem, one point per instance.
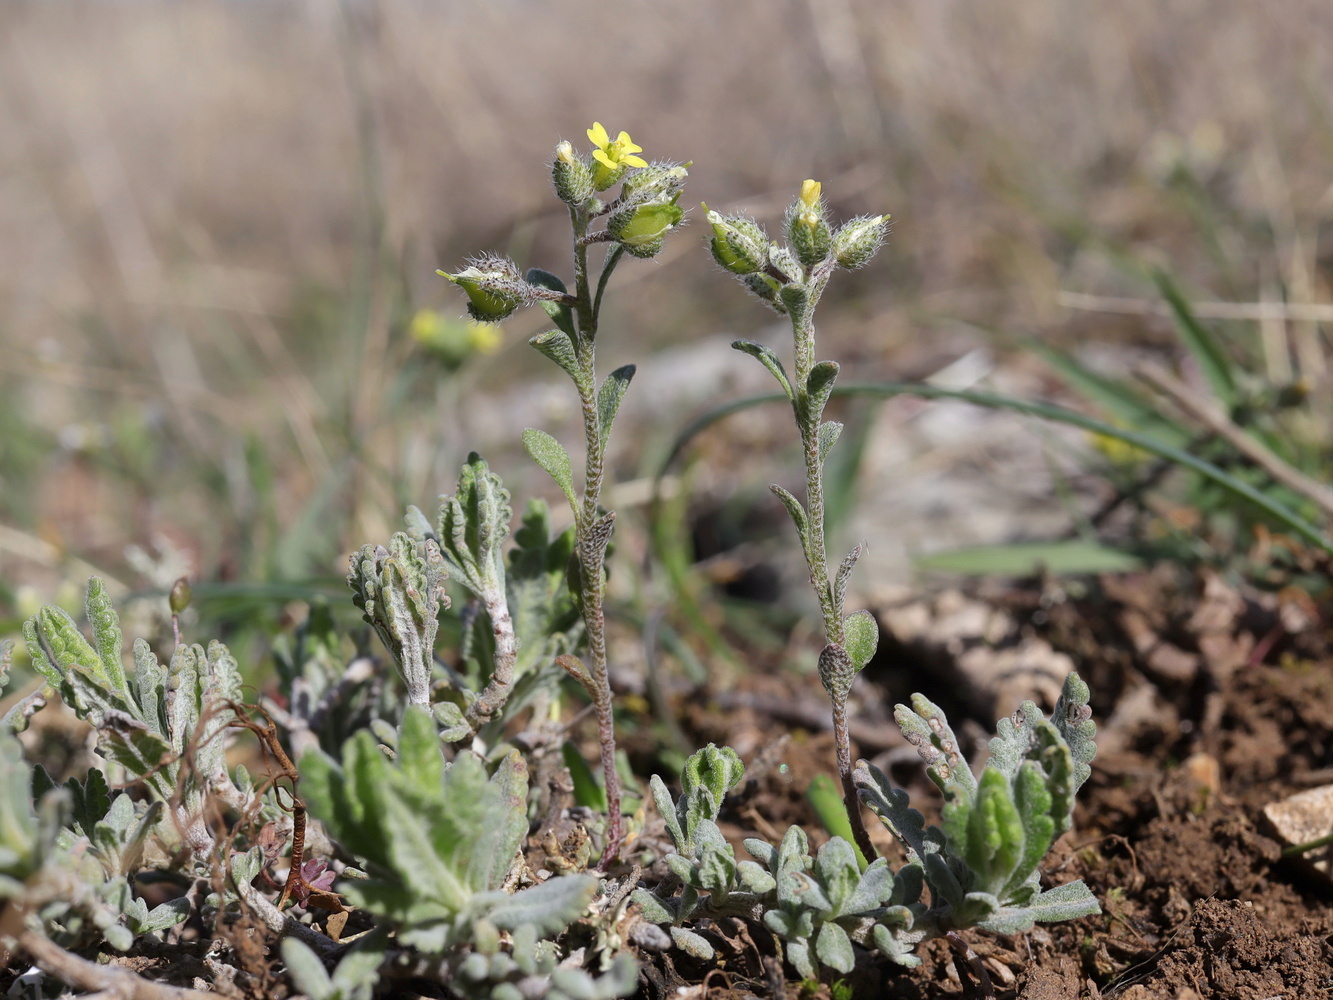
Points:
(591, 551)
(816, 553)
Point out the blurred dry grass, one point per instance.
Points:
(217, 216)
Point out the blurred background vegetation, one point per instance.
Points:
(224, 351)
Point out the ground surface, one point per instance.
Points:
(1213, 703)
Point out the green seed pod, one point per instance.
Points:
(180, 596)
(859, 240)
(738, 244)
(641, 229)
(494, 286)
(655, 182)
(571, 176)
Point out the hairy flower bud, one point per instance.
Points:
(859, 240)
(765, 288)
(808, 231)
(571, 176)
(494, 286)
(655, 182)
(738, 244)
(640, 229)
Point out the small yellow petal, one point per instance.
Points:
(634, 161)
(601, 157)
(810, 193)
(597, 135)
(625, 142)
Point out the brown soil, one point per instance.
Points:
(1212, 703)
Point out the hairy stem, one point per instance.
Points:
(591, 550)
(492, 699)
(816, 552)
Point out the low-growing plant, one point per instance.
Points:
(409, 806)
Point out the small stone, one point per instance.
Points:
(1302, 818)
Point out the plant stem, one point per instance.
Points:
(816, 553)
(591, 550)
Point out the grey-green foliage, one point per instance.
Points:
(162, 725)
(531, 968)
(437, 840)
(981, 864)
(527, 615)
(400, 590)
(355, 977)
(816, 906)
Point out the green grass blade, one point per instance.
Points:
(1046, 411)
(1203, 346)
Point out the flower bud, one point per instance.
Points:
(859, 240)
(655, 182)
(808, 231)
(640, 229)
(180, 596)
(494, 286)
(783, 261)
(738, 244)
(571, 176)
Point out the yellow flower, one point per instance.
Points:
(810, 193)
(612, 156)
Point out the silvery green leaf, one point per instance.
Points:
(769, 360)
(473, 525)
(1072, 716)
(307, 970)
(609, 397)
(164, 916)
(895, 946)
(244, 867)
(976, 908)
(873, 891)
(836, 672)
(18, 821)
(894, 808)
(798, 954)
(550, 906)
(119, 937)
(717, 861)
(654, 910)
(107, 637)
(150, 680)
(834, 948)
(691, 943)
(550, 454)
(862, 637)
(844, 574)
(666, 808)
(357, 974)
(819, 386)
(1064, 902)
(559, 347)
(449, 718)
(797, 511)
(754, 879)
(682, 867)
(828, 436)
(837, 872)
(763, 852)
(927, 729)
(90, 800)
(1033, 800)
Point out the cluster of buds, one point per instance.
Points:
(741, 246)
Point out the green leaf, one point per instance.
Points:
(1075, 557)
(769, 360)
(473, 526)
(1033, 801)
(825, 797)
(550, 454)
(550, 906)
(609, 397)
(560, 314)
(1207, 351)
(834, 948)
(994, 836)
(796, 510)
(819, 386)
(559, 347)
(106, 635)
(306, 969)
(828, 434)
(928, 730)
(1072, 716)
(1064, 902)
(862, 637)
